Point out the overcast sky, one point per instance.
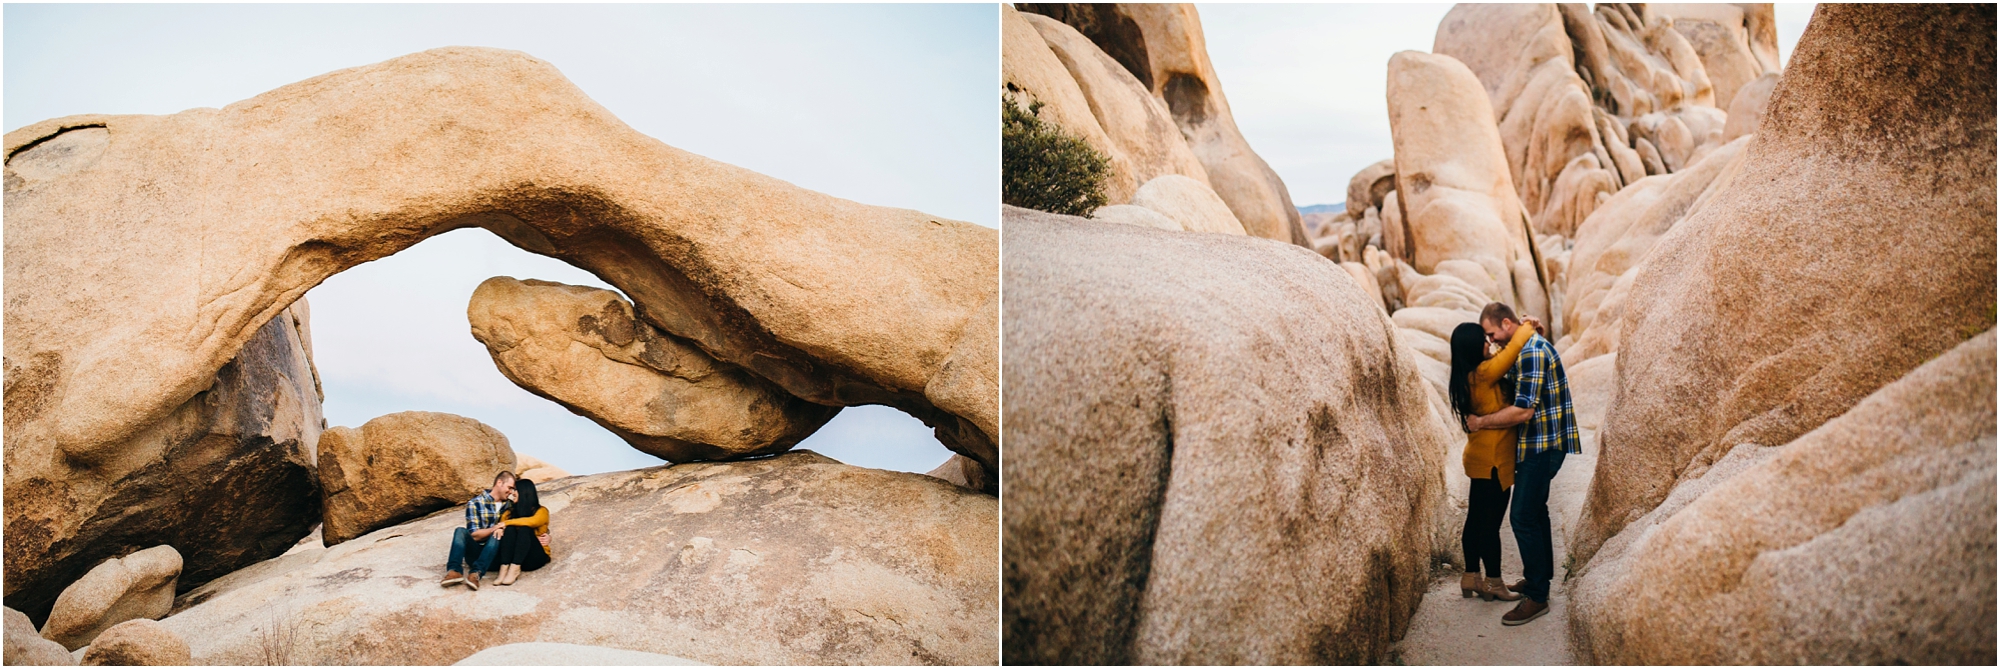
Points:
(1307, 83)
(883, 104)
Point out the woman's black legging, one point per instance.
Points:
(1484, 510)
(519, 546)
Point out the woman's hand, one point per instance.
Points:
(499, 531)
(1536, 323)
(544, 539)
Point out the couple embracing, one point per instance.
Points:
(486, 540)
(1515, 405)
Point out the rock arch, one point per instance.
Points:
(143, 252)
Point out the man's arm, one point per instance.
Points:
(1502, 419)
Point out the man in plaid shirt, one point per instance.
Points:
(1542, 407)
(482, 521)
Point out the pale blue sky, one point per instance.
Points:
(1308, 83)
(884, 104)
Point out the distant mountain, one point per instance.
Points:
(1334, 208)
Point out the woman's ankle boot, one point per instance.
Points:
(1468, 585)
(1494, 588)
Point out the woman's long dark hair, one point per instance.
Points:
(529, 502)
(1468, 349)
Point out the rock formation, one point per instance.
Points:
(402, 466)
(1761, 315)
(794, 559)
(137, 586)
(226, 473)
(961, 471)
(138, 643)
(543, 654)
(1186, 483)
(1188, 203)
(1165, 59)
(535, 470)
(1760, 561)
(123, 428)
(586, 349)
(1132, 214)
(26, 647)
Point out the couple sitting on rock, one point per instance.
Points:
(485, 539)
(1515, 404)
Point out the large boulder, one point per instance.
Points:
(402, 466)
(1368, 187)
(1132, 214)
(1031, 73)
(1141, 131)
(226, 474)
(206, 224)
(534, 469)
(1163, 48)
(1454, 188)
(138, 643)
(26, 647)
(1867, 541)
(794, 559)
(1768, 311)
(1188, 203)
(1737, 43)
(1746, 110)
(137, 586)
(586, 349)
(1187, 483)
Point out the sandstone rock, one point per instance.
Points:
(543, 654)
(1131, 214)
(1138, 125)
(534, 469)
(1368, 187)
(1611, 244)
(138, 643)
(962, 471)
(794, 559)
(1592, 383)
(402, 466)
(1436, 321)
(140, 585)
(1297, 519)
(228, 472)
(1755, 560)
(209, 229)
(1455, 186)
(1759, 317)
(1649, 156)
(1189, 203)
(1747, 108)
(1030, 72)
(26, 647)
(1365, 278)
(1163, 47)
(587, 349)
(1737, 43)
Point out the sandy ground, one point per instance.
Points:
(1453, 630)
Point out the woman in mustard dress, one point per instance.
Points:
(1489, 454)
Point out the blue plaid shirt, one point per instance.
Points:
(483, 511)
(1540, 384)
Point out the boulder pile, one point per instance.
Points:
(403, 466)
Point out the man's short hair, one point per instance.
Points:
(1496, 312)
(504, 475)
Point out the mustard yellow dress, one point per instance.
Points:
(1487, 450)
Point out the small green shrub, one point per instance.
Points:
(1046, 169)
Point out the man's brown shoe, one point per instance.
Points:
(452, 578)
(1523, 612)
(472, 581)
(1519, 585)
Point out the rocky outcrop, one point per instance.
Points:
(26, 647)
(962, 471)
(1737, 43)
(1867, 541)
(534, 469)
(402, 466)
(1132, 214)
(137, 586)
(1144, 141)
(226, 473)
(1746, 110)
(1172, 499)
(210, 222)
(1161, 46)
(1031, 73)
(1456, 197)
(1760, 317)
(794, 559)
(1188, 203)
(137, 643)
(543, 654)
(586, 349)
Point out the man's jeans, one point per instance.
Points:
(488, 550)
(1530, 513)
